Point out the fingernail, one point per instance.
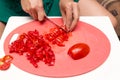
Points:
(67, 28)
(40, 19)
(64, 24)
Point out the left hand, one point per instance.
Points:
(70, 13)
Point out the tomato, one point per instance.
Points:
(57, 36)
(7, 58)
(34, 46)
(4, 65)
(78, 51)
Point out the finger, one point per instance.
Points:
(68, 16)
(64, 17)
(75, 14)
(34, 14)
(40, 12)
(30, 13)
(41, 15)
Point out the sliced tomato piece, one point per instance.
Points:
(7, 58)
(4, 65)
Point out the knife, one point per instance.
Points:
(46, 18)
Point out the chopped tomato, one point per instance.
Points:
(57, 36)
(34, 47)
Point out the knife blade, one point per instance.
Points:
(55, 24)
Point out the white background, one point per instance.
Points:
(109, 70)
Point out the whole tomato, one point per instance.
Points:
(78, 51)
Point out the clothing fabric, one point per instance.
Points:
(10, 8)
(13, 8)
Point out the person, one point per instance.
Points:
(70, 10)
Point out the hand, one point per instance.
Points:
(70, 13)
(34, 8)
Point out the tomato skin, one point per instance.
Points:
(78, 51)
(4, 65)
(7, 58)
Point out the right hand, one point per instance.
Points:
(34, 8)
(70, 13)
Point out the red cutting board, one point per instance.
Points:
(64, 66)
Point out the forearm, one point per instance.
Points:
(93, 8)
